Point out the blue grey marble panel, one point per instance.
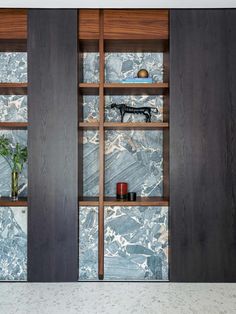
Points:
(155, 102)
(5, 171)
(119, 66)
(13, 67)
(135, 157)
(88, 243)
(13, 243)
(136, 243)
(13, 108)
(90, 163)
(90, 61)
(90, 108)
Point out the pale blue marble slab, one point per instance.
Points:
(13, 243)
(90, 163)
(155, 102)
(135, 157)
(136, 243)
(5, 171)
(13, 108)
(13, 67)
(119, 66)
(88, 243)
(90, 62)
(91, 108)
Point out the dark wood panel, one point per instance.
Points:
(136, 24)
(52, 97)
(13, 24)
(88, 25)
(203, 145)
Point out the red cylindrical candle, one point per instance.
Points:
(121, 190)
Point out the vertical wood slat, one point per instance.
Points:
(203, 145)
(101, 150)
(52, 142)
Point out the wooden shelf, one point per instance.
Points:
(136, 88)
(13, 125)
(13, 88)
(112, 201)
(89, 201)
(141, 201)
(89, 88)
(125, 125)
(136, 125)
(7, 201)
(125, 88)
(89, 125)
(13, 45)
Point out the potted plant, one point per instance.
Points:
(16, 156)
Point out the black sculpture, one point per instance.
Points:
(127, 109)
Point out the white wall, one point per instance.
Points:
(118, 3)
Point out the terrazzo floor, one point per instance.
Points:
(104, 297)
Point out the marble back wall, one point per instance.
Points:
(13, 67)
(13, 243)
(134, 157)
(136, 243)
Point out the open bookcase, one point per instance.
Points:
(111, 48)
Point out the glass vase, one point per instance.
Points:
(14, 185)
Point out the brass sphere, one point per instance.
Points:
(143, 73)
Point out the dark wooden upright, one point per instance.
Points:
(203, 145)
(52, 99)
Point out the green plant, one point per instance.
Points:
(15, 156)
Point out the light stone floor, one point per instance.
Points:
(104, 297)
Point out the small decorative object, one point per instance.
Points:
(143, 73)
(15, 156)
(132, 196)
(127, 109)
(138, 80)
(14, 185)
(121, 190)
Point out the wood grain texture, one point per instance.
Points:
(88, 24)
(13, 125)
(13, 24)
(7, 201)
(13, 88)
(141, 201)
(101, 148)
(136, 88)
(203, 145)
(13, 45)
(136, 24)
(53, 145)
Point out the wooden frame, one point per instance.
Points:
(146, 37)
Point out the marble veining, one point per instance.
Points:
(90, 63)
(119, 66)
(136, 243)
(135, 157)
(5, 171)
(155, 102)
(90, 108)
(90, 163)
(13, 67)
(88, 243)
(13, 243)
(13, 108)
